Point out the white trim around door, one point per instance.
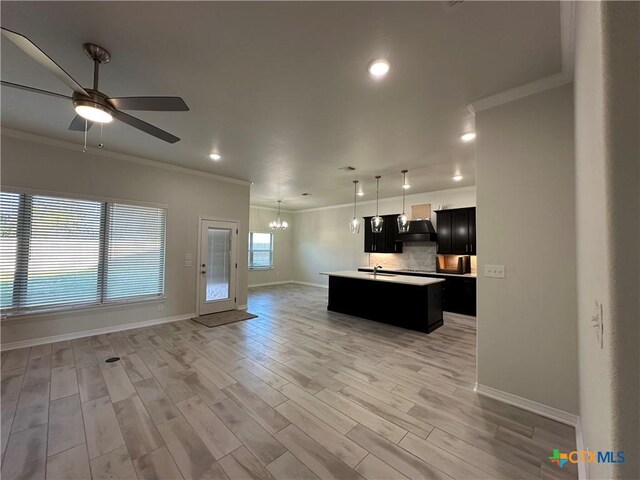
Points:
(217, 260)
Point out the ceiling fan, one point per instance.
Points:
(91, 105)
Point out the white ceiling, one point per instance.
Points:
(281, 89)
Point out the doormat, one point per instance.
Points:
(223, 318)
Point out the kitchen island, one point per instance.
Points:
(402, 300)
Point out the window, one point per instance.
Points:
(260, 250)
(58, 253)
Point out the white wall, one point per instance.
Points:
(322, 241)
(608, 206)
(282, 267)
(526, 221)
(43, 166)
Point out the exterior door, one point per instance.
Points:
(218, 266)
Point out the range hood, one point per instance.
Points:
(419, 231)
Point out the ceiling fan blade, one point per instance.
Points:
(78, 124)
(146, 127)
(30, 48)
(34, 90)
(156, 104)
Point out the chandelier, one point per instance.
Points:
(278, 224)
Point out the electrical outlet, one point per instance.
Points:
(161, 306)
(188, 260)
(494, 271)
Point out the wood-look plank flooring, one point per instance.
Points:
(297, 393)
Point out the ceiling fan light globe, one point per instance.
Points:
(94, 114)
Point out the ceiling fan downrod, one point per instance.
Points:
(98, 55)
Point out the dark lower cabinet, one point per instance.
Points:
(458, 292)
(459, 295)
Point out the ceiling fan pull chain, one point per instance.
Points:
(101, 145)
(86, 127)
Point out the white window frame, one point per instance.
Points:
(9, 313)
(271, 251)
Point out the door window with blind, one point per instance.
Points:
(260, 251)
(58, 253)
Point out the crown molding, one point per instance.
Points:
(100, 152)
(398, 197)
(271, 209)
(567, 47)
(521, 91)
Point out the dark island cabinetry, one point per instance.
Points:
(458, 291)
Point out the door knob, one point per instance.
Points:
(203, 272)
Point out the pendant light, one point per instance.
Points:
(377, 221)
(279, 224)
(354, 225)
(403, 220)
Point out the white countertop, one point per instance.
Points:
(467, 275)
(404, 279)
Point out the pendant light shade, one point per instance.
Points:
(377, 222)
(403, 220)
(354, 225)
(278, 224)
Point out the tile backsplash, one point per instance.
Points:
(415, 255)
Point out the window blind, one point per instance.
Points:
(9, 204)
(60, 253)
(63, 241)
(260, 250)
(135, 255)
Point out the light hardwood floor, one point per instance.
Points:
(297, 393)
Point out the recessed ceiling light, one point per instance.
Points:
(467, 137)
(457, 178)
(379, 68)
(215, 157)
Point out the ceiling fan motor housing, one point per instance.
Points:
(95, 99)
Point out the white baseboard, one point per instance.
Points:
(95, 331)
(269, 283)
(309, 284)
(582, 466)
(530, 405)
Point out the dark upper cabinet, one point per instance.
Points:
(444, 231)
(457, 231)
(472, 231)
(385, 241)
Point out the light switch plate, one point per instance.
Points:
(494, 271)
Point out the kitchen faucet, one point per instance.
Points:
(376, 268)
